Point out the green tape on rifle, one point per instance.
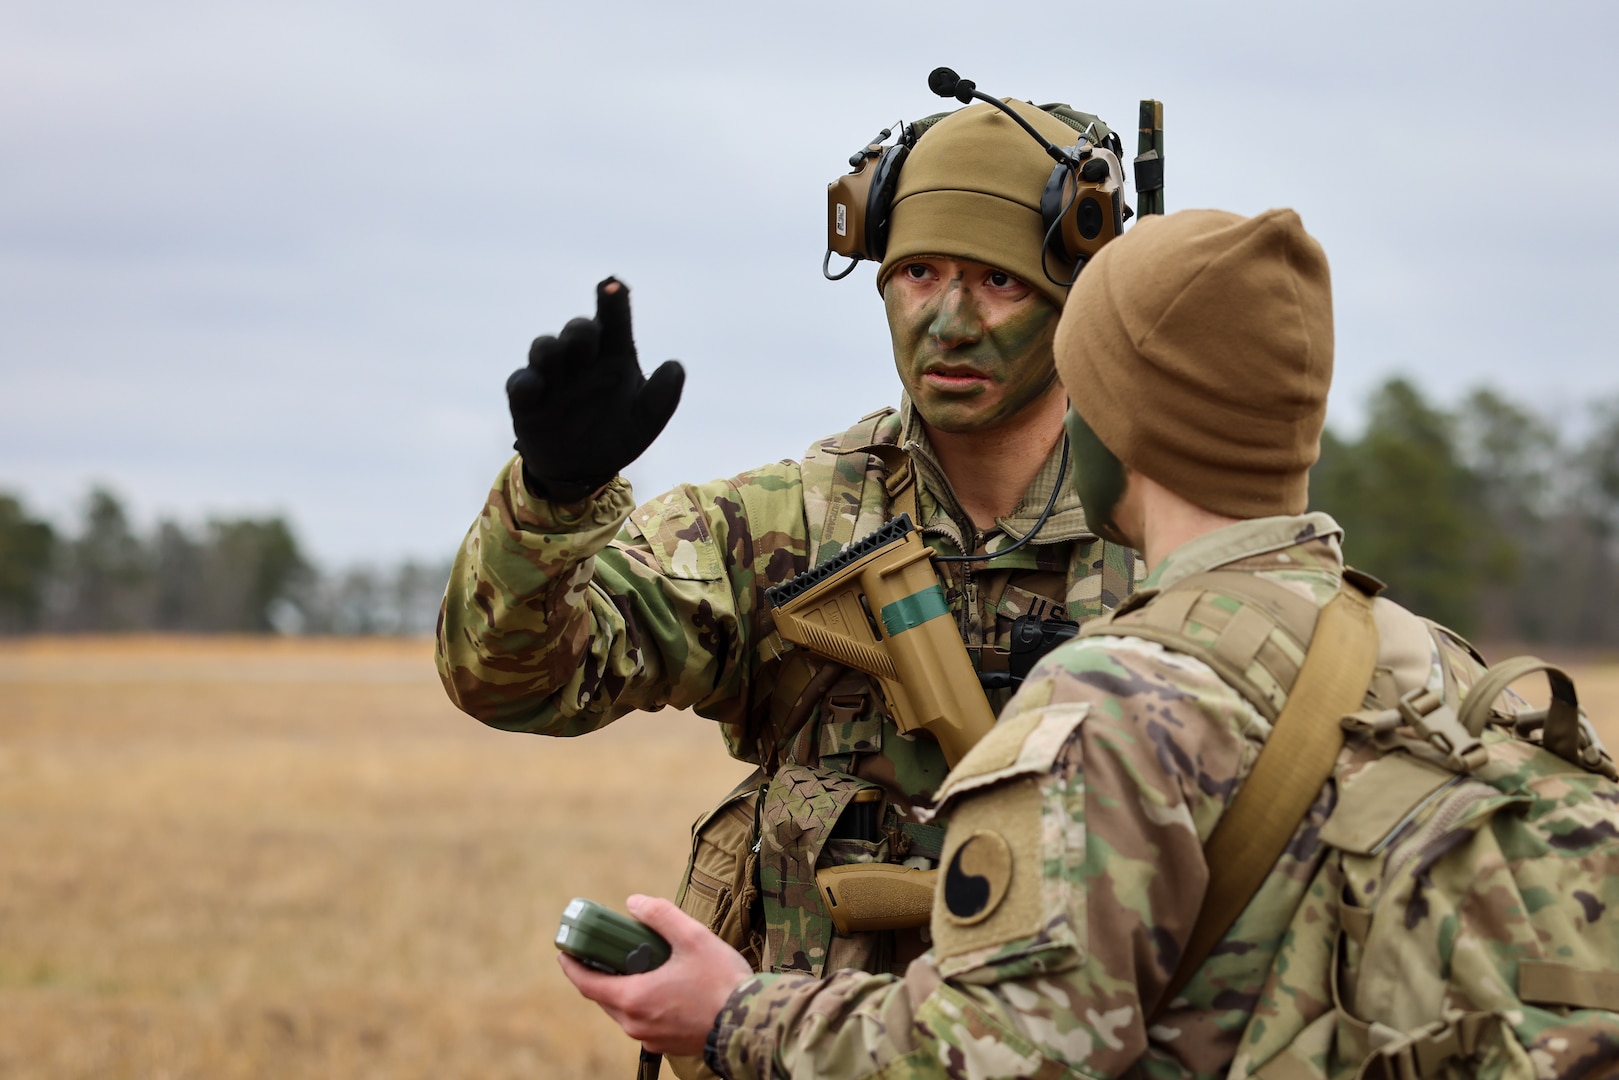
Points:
(914, 610)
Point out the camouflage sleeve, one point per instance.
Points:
(560, 619)
(1073, 874)
(850, 1025)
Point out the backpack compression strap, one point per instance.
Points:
(1567, 733)
(1294, 764)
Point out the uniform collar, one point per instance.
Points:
(1246, 540)
(1067, 521)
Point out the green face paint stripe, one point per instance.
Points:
(1098, 475)
(914, 610)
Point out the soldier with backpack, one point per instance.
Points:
(1260, 821)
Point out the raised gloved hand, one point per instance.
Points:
(581, 409)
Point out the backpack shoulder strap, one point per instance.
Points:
(1294, 764)
(1305, 668)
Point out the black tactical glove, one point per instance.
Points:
(581, 409)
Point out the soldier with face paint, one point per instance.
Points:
(569, 605)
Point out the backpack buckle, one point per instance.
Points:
(1380, 724)
(1425, 710)
(1425, 1052)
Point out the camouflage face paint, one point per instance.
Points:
(1098, 477)
(972, 344)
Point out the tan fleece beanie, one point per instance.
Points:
(971, 189)
(1198, 347)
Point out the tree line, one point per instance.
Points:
(231, 575)
(1488, 517)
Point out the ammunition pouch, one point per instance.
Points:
(721, 886)
(798, 820)
(720, 889)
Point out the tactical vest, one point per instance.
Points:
(839, 783)
(1439, 776)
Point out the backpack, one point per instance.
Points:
(1464, 920)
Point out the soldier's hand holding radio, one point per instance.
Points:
(676, 975)
(581, 409)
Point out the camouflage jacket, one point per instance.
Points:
(1075, 846)
(558, 620)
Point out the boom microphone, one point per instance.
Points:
(946, 83)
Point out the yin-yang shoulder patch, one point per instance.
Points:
(977, 877)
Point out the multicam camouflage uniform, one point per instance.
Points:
(558, 623)
(1080, 822)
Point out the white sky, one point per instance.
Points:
(281, 257)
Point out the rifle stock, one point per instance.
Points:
(877, 607)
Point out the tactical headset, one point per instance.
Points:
(1081, 209)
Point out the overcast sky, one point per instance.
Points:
(263, 258)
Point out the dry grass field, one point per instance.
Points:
(246, 859)
(242, 859)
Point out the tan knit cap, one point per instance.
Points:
(1198, 347)
(971, 189)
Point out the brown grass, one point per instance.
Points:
(242, 859)
(239, 859)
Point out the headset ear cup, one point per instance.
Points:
(1058, 242)
(880, 201)
(1085, 205)
(1088, 216)
(1091, 221)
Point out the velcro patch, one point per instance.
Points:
(1022, 743)
(1011, 812)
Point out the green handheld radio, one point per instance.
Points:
(601, 938)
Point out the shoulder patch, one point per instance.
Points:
(977, 878)
(1006, 900)
(990, 892)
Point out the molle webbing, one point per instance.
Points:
(1251, 631)
(924, 840)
